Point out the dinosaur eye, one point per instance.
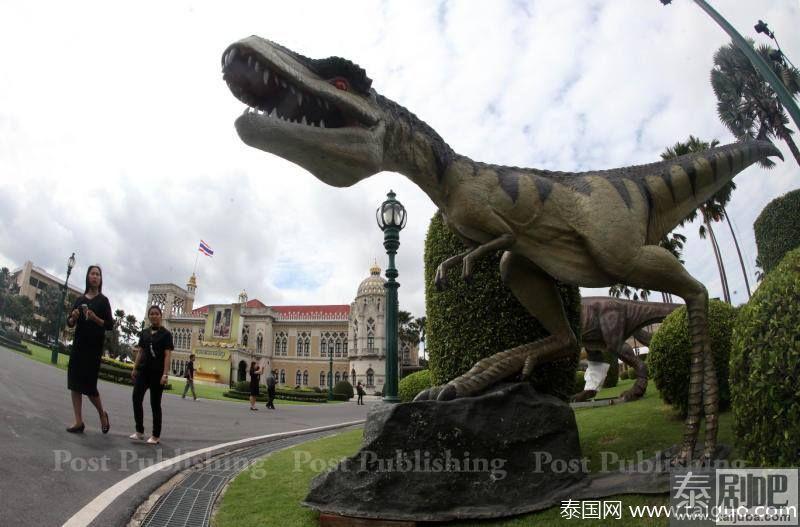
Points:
(341, 84)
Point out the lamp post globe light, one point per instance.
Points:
(391, 217)
(54, 351)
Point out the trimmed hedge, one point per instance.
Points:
(343, 389)
(765, 364)
(777, 229)
(412, 384)
(467, 322)
(286, 395)
(668, 359)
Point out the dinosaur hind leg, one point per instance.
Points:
(655, 268)
(639, 388)
(538, 293)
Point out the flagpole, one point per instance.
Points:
(194, 271)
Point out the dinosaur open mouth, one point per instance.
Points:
(268, 91)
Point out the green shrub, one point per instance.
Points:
(467, 322)
(668, 359)
(623, 375)
(242, 386)
(612, 377)
(580, 381)
(765, 356)
(411, 385)
(343, 388)
(777, 229)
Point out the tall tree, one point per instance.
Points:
(746, 103)
(130, 329)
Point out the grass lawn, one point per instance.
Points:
(204, 391)
(269, 493)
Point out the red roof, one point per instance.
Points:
(331, 309)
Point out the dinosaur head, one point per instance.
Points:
(319, 114)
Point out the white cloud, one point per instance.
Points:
(117, 139)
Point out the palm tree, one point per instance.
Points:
(745, 102)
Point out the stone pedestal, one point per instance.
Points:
(507, 452)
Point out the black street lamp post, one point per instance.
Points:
(54, 354)
(391, 216)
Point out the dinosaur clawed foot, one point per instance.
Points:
(444, 392)
(631, 395)
(584, 396)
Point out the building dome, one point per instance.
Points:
(373, 284)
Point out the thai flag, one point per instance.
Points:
(205, 249)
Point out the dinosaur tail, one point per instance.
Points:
(680, 185)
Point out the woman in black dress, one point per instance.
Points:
(91, 317)
(150, 373)
(255, 376)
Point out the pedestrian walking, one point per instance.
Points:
(360, 391)
(91, 317)
(150, 373)
(255, 375)
(189, 375)
(271, 382)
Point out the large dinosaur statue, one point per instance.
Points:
(606, 323)
(591, 229)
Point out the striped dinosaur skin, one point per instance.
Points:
(591, 229)
(607, 323)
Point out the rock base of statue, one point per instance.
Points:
(507, 452)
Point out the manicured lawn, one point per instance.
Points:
(270, 492)
(204, 391)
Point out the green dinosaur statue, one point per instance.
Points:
(590, 229)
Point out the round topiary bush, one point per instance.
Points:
(343, 388)
(467, 322)
(668, 359)
(411, 385)
(765, 364)
(777, 229)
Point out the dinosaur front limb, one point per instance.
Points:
(502, 242)
(440, 279)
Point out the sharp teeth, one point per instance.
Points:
(326, 105)
(299, 99)
(291, 87)
(304, 121)
(322, 123)
(283, 83)
(266, 76)
(257, 66)
(250, 61)
(272, 113)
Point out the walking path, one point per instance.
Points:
(48, 475)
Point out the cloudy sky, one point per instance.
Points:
(117, 138)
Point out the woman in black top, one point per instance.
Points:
(150, 372)
(255, 375)
(91, 317)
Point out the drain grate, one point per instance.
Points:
(189, 503)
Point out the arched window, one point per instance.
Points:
(244, 340)
(259, 343)
(337, 377)
(344, 376)
(370, 378)
(280, 345)
(322, 378)
(298, 378)
(344, 348)
(242, 372)
(323, 348)
(283, 376)
(370, 343)
(353, 373)
(338, 348)
(305, 378)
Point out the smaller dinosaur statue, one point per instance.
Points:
(606, 323)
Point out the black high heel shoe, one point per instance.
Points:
(106, 427)
(77, 429)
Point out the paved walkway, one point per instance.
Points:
(46, 474)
